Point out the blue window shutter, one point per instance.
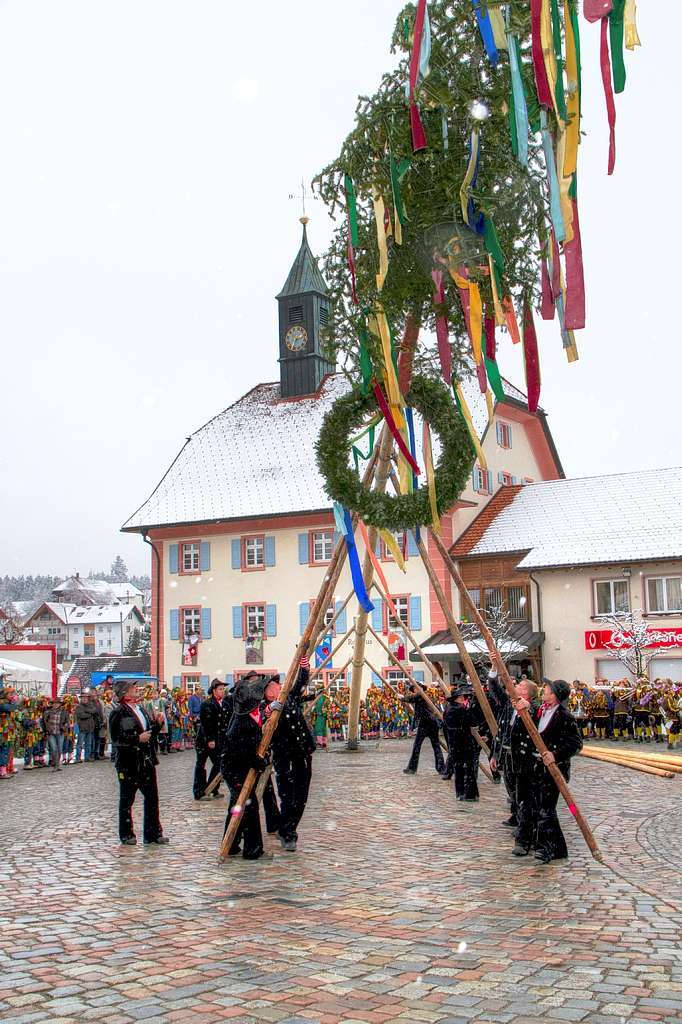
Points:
(205, 623)
(341, 623)
(377, 615)
(415, 612)
(516, 480)
(269, 551)
(500, 477)
(303, 557)
(175, 623)
(376, 680)
(237, 623)
(418, 675)
(173, 556)
(229, 679)
(177, 681)
(510, 434)
(205, 563)
(204, 683)
(474, 479)
(236, 553)
(303, 615)
(498, 432)
(412, 549)
(271, 620)
(490, 480)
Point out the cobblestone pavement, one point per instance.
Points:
(399, 906)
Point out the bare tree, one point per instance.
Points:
(499, 623)
(11, 630)
(631, 641)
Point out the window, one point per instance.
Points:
(492, 598)
(506, 479)
(191, 683)
(128, 629)
(517, 603)
(324, 315)
(190, 619)
(254, 619)
(611, 597)
(334, 679)
(100, 629)
(328, 615)
(89, 632)
(321, 546)
(395, 676)
(483, 480)
(190, 556)
(504, 435)
(400, 539)
(475, 595)
(295, 314)
(254, 552)
(664, 594)
(402, 606)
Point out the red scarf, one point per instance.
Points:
(257, 717)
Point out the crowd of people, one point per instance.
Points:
(647, 712)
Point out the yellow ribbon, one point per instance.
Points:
(468, 177)
(570, 161)
(497, 305)
(497, 23)
(372, 557)
(475, 320)
(379, 212)
(548, 52)
(378, 324)
(564, 185)
(470, 426)
(630, 25)
(430, 478)
(392, 545)
(489, 404)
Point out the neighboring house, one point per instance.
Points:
(577, 550)
(84, 629)
(84, 591)
(80, 675)
(243, 531)
(127, 593)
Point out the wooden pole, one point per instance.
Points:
(331, 654)
(326, 626)
(457, 637)
(498, 661)
(383, 468)
(625, 762)
(415, 643)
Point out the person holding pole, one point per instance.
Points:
(460, 716)
(208, 740)
(537, 814)
(512, 751)
(239, 756)
(427, 728)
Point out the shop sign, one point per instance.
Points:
(621, 640)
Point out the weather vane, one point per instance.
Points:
(302, 197)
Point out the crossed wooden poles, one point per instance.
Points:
(378, 472)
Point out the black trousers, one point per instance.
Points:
(424, 732)
(249, 833)
(200, 783)
(539, 827)
(128, 788)
(509, 777)
(465, 771)
(525, 807)
(270, 807)
(293, 776)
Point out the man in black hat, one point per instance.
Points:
(293, 745)
(427, 728)
(460, 716)
(208, 740)
(239, 755)
(538, 821)
(134, 734)
(512, 749)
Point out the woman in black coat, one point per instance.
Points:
(460, 716)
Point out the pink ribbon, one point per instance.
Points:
(490, 347)
(531, 358)
(596, 9)
(547, 308)
(418, 133)
(444, 352)
(541, 81)
(575, 277)
(605, 62)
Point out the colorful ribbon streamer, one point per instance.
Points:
(430, 477)
(399, 215)
(418, 133)
(630, 18)
(605, 66)
(573, 80)
(339, 519)
(444, 351)
(372, 556)
(463, 409)
(554, 192)
(474, 219)
(354, 563)
(547, 308)
(493, 371)
(391, 424)
(392, 545)
(486, 30)
(380, 221)
(595, 10)
(519, 101)
(575, 277)
(542, 88)
(353, 235)
(510, 318)
(531, 358)
(617, 35)
(409, 417)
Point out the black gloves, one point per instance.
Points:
(258, 762)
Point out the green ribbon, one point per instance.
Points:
(573, 14)
(493, 248)
(616, 33)
(494, 379)
(351, 202)
(397, 174)
(558, 53)
(358, 453)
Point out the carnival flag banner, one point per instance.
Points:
(323, 650)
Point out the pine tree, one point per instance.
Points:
(134, 643)
(145, 640)
(119, 570)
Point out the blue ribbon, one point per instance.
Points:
(410, 429)
(475, 219)
(486, 30)
(554, 196)
(354, 562)
(339, 519)
(520, 106)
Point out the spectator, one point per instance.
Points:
(86, 720)
(55, 723)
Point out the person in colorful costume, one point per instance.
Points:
(578, 705)
(640, 711)
(320, 717)
(599, 713)
(8, 730)
(30, 730)
(621, 711)
(671, 706)
(69, 741)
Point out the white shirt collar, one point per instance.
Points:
(546, 717)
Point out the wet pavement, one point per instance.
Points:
(400, 905)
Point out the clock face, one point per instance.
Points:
(296, 338)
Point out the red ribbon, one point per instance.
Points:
(418, 133)
(596, 9)
(531, 358)
(605, 62)
(490, 347)
(482, 379)
(541, 81)
(547, 306)
(444, 352)
(391, 424)
(556, 266)
(575, 277)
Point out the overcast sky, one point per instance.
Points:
(148, 151)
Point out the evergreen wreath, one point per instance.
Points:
(404, 511)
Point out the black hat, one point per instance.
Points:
(215, 683)
(461, 691)
(248, 693)
(560, 689)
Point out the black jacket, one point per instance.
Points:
(209, 723)
(424, 716)
(458, 722)
(562, 737)
(293, 737)
(224, 718)
(512, 740)
(133, 759)
(243, 732)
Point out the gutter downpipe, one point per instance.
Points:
(539, 606)
(146, 539)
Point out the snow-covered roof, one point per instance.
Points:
(258, 456)
(101, 613)
(124, 590)
(627, 517)
(89, 587)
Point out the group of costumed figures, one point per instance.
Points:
(645, 711)
(55, 732)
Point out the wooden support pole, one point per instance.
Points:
(331, 654)
(326, 626)
(626, 762)
(497, 660)
(458, 639)
(415, 643)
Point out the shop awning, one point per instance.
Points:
(524, 641)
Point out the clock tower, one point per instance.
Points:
(304, 311)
